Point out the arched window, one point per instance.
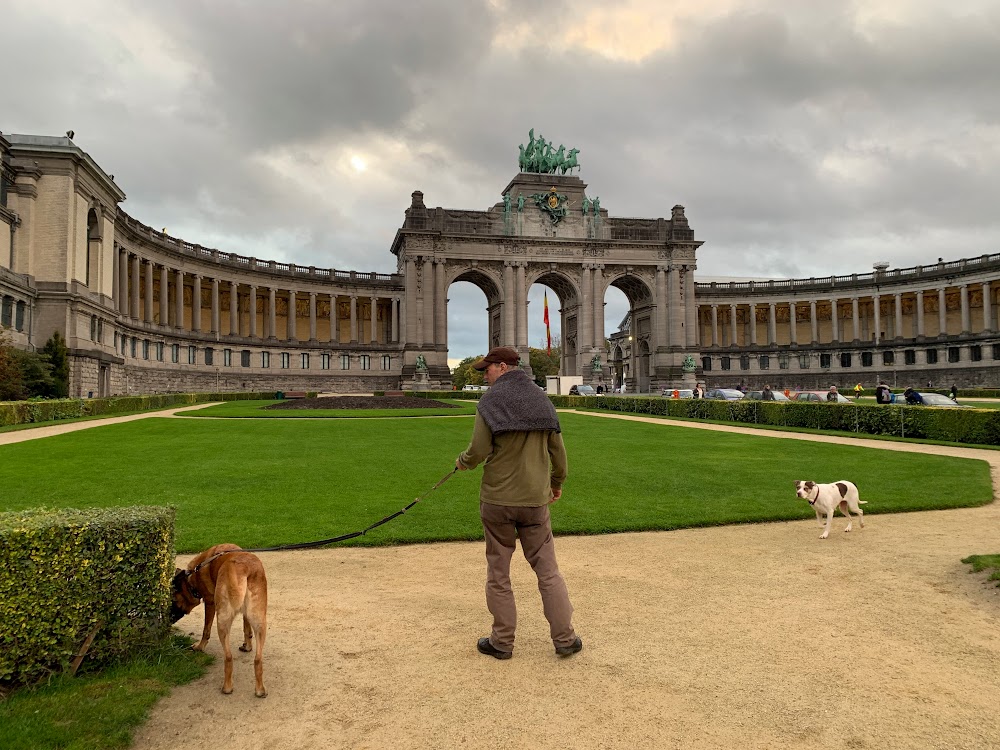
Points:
(93, 247)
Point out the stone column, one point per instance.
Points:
(179, 301)
(598, 302)
(586, 316)
(733, 333)
(427, 288)
(147, 315)
(252, 304)
(291, 321)
(196, 303)
(134, 309)
(122, 281)
(354, 315)
(690, 310)
(116, 281)
(312, 317)
(661, 316)
(395, 319)
(942, 313)
(834, 320)
(813, 322)
(877, 302)
(522, 304)
(920, 312)
(987, 307)
(855, 319)
(963, 292)
(715, 325)
(216, 313)
(234, 309)
(272, 314)
(164, 296)
(675, 313)
(374, 316)
(508, 338)
(411, 301)
(753, 324)
(793, 337)
(772, 324)
(440, 309)
(335, 320)
(899, 315)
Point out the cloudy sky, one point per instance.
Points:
(803, 138)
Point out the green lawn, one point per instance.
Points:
(271, 482)
(256, 410)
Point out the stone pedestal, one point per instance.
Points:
(420, 382)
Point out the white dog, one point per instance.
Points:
(825, 498)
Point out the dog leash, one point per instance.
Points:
(353, 534)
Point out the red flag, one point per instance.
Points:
(548, 332)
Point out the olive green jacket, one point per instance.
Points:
(522, 468)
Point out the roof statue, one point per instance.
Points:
(540, 156)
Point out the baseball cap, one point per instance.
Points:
(498, 355)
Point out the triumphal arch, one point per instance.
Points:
(548, 230)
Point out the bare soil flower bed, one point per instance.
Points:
(362, 402)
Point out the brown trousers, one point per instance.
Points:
(502, 525)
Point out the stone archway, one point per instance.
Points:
(569, 309)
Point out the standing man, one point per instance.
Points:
(517, 433)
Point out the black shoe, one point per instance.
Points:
(574, 648)
(485, 647)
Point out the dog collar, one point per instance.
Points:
(813, 501)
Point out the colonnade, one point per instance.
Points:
(135, 279)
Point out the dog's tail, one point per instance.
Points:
(863, 502)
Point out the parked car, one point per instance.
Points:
(582, 390)
(759, 396)
(724, 394)
(681, 392)
(817, 396)
(936, 400)
(470, 387)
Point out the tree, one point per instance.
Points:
(11, 377)
(542, 364)
(57, 355)
(464, 374)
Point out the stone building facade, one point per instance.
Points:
(143, 311)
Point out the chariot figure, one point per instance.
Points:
(421, 363)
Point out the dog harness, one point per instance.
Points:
(191, 587)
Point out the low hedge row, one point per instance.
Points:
(974, 426)
(25, 412)
(67, 573)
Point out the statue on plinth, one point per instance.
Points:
(421, 363)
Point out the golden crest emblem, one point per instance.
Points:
(553, 200)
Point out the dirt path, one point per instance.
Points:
(756, 636)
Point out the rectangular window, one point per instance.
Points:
(265, 359)
(159, 351)
(145, 349)
(386, 362)
(996, 351)
(910, 357)
(286, 359)
(726, 363)
(826, 360)
(192, 355)
(888, 358)
(804, 361)
(706, 364)
(19, 317)
(932, 356)
(6, 311)
(845, 359)
(345, 361)
(116, 340)
(245, 358)
(227, 357)
(744, 361)
(132, 343)
(976, 353)
(954, 354)
(93, 328)
(866, 359)
(324, 361)
(366, 362)
(765, 362)
(175, 353)
(782, 361)
(209, 355)
(305, 361)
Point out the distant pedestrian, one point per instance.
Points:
(766, 394)
(883, 395)
(832, 394)
(954, 392)
(912, 397)
(858, 390)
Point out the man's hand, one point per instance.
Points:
(556, 494)
(458, 465)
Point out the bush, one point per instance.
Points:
(67, 573)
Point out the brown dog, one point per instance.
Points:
(228, 580)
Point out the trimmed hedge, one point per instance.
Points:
(65, 573)
(439, 395)
(26, 412)
(973, 426)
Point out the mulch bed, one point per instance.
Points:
(363, 402)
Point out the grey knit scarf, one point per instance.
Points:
(515, 404)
